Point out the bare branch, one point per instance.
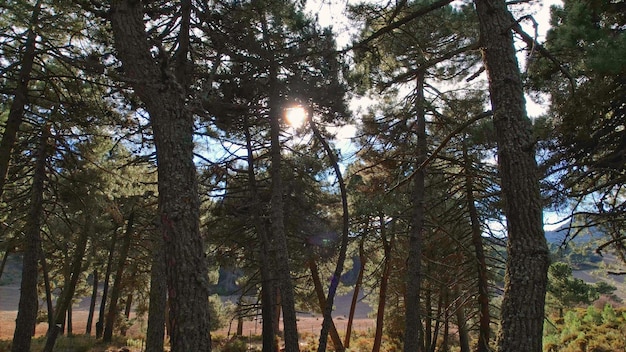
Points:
(532, 42)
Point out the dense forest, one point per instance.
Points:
(146, 154)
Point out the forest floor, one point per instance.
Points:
(308, 323)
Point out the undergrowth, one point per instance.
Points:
(591, 330)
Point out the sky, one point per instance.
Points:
(332, 13)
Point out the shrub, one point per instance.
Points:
(608, 315)
(235, 345)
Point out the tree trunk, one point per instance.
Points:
(68, 322)
(437, 319)
(522, 314)
(345, 236)
(277, 310)
(239, 326)
(355, 294)
(461, 321)
(20, 97)
(105, 287)
(46, 282)
(92, 301)
(65, 299)
(412, 325)
(127, 309)
(484, 316)
(319, 291)
(155, 333)
(164, 96)
(446, 321)
(428, 323)
(279, 238)
(29, 301)
(384, 281)
(116, 291)
(4, 261)
(268, 311)
(268, 290)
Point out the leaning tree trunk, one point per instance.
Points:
(355, 294)
(4, 261)
(484, 316)
(65, 299)
(319, 291)
(412, 327)
(164, 96)
(92, 301)
(116, 291)
(29, 301)
(20, 97)
(343, 248)
(527, 263)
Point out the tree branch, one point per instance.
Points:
(398, 24)
(530, 41)
(443, 143)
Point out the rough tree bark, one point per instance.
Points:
(527, 262)
(155, 332)
(412, 321)
(29, 301)
(164, 96)
(279, 237)
(20, 97)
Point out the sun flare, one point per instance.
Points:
(296, 116)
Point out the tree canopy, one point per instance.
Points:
(146, 159)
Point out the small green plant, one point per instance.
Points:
(235, 345)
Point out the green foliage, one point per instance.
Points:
(608, 315)
(220, 313)
(364, 341)
(587, 330)
(237, 344)
(593, 316)
(587, 110)
(565, 291)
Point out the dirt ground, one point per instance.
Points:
(307, 323)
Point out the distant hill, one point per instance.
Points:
(573, 234)
(580, 253)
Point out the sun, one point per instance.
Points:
(296, 116)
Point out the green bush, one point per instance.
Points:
(588, 329)
(235, 345)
